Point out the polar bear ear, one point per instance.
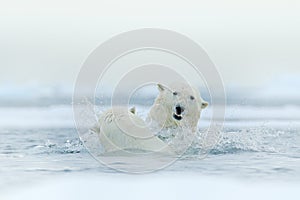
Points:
(132, 110)
(204, 104)
(161, 87)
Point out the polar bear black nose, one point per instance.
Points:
(179, 110)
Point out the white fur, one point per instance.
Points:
(163, 108)
(120, 129)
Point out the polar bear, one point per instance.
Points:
(177, 106)
(120, 129)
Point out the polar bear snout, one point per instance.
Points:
(179, 109)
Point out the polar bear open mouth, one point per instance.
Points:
(177, 117)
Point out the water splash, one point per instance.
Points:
(68, 147)
(247, 140)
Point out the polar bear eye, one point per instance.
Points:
(192, 97)
(175, 93)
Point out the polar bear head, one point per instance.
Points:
(177, 105)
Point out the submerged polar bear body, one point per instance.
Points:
(120, 129)
(177, 106)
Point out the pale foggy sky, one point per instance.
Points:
(250, 41)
